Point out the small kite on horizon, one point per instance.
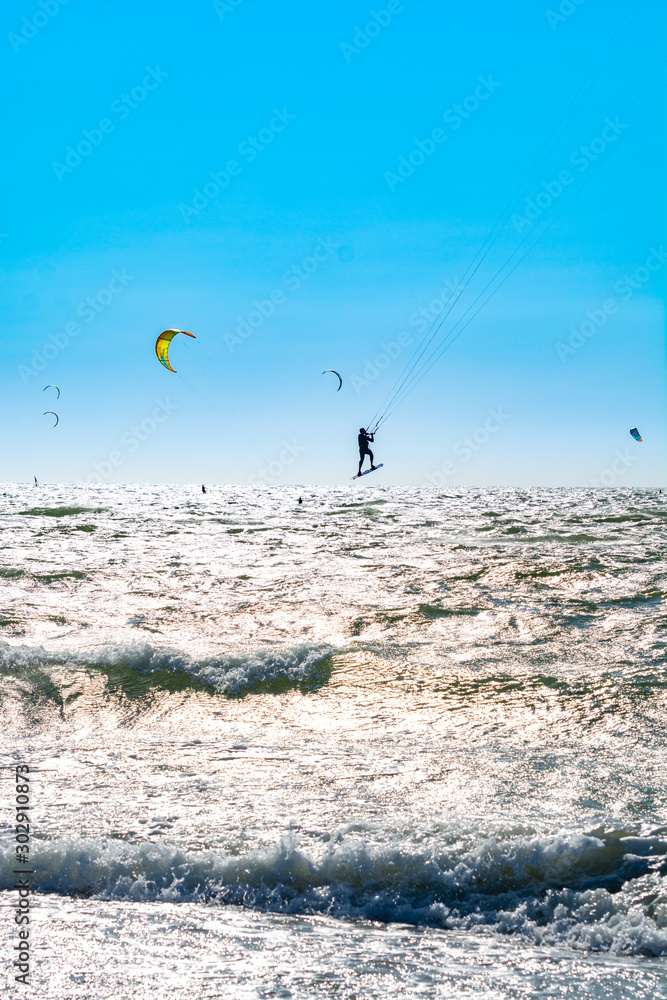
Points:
(54, 414)
(51, 386)
(635, 433)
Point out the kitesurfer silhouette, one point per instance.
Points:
(203, 489)
(364, 440)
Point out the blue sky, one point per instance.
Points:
(197, 165)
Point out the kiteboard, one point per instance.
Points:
(370, 470)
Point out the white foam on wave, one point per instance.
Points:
(228, 673)
(550, 891)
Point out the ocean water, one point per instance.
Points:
(390, 743)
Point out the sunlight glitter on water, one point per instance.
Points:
(365, 730)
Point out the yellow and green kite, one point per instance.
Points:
(162, 346)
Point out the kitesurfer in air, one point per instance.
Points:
(364, 440)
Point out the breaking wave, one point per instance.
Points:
(230, 674)
(599, 891)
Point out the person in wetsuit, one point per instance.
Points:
(364, 440)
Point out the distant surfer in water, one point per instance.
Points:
(203, 489)
(364, 440)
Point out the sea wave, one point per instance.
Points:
(232, 674)
(60, 511)
(598, 891)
